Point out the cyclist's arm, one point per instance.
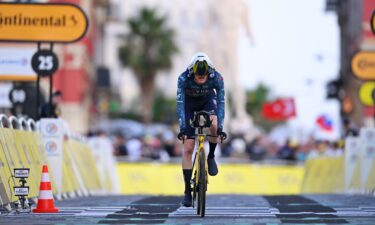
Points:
(181, 102)
(220, 101)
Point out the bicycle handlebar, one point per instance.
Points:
(207, 135)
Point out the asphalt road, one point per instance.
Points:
(221, 209)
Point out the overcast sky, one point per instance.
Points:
(296, 52)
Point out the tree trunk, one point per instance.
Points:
(147, 88)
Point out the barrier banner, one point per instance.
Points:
(352, 162)
(52, 134)
(102, 150)
(167, 179)
(367, 151)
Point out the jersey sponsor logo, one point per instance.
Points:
(197, 92)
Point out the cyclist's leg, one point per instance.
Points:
(187, 155)
(211, 107)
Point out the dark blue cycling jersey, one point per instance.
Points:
(188, 91)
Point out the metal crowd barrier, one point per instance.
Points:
(22, 146)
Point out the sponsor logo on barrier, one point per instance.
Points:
(51, 147)
(353, 144)
(370, 150)
(51, 128)
(370, 135)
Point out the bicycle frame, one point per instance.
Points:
(201, 139)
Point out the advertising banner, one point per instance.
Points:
(352, 163)
(34, 22)
(15, 63)
(52, 134)
(367, 137)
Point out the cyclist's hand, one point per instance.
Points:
(221, 134)
(181, 136)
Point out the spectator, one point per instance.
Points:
(350, 128)
(134, 147)
(287, 152)
(52, 110)
(318, 150)
(256, 150)
(120, 145)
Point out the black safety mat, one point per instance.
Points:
(298, 209)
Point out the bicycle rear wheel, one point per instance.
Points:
(202, 184)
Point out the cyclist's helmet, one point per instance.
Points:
(200, 64)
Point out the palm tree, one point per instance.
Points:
(147, 49)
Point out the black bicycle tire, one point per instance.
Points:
(202, 183)
(198, 188)
(194, 188)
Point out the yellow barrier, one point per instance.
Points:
(370, 184)
(70, 182)
(11, 155)
(23, 148)
(84, 159)
(166, 179)
(5, 172)
(324, 175)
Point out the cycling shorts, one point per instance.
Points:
(192, 105)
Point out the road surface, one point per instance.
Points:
(221, 209)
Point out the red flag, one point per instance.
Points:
(281, 109)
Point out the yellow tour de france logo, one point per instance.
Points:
(367, 93)
(59, 22)
(363, 65)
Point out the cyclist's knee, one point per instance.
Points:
(189, 147)
(213, 128)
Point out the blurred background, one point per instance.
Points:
(290, 90)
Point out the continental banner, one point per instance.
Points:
(166, 179)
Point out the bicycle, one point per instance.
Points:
(200, 171)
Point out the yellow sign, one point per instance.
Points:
(367, 93)
(363, 65)
(42, 22)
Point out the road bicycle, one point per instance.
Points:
(199, 180)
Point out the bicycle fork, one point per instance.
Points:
(195, 180)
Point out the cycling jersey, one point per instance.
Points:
(190, 95)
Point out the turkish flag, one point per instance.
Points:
(280, 109)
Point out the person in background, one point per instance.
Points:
(52, 110)
(350, 128)
(120, 145)
(287, 152)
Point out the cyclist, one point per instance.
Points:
(200, 87)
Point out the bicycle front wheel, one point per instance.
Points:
(202, 184)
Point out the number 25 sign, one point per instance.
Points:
(44, 62)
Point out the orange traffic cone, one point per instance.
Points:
(45, 199)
